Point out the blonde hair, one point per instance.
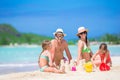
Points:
(45, 45)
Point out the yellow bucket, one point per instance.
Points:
(88, 67)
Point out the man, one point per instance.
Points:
(59, 45)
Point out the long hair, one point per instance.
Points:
(86, 41)
(105, 46)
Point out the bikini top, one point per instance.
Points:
(85, 49)
(45, 57)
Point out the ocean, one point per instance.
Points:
(25, 58)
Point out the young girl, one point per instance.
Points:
(84, 51)
(104, 54)
(45, 60)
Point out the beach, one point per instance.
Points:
(113, 74)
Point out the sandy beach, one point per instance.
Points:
(113, 74)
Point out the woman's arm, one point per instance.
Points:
(80, 46)
(91, 53)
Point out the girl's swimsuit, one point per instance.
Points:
(44, 67)
(102, 56)
(45, 57)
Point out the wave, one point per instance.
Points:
(18, 64)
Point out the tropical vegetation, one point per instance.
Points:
(8, 35)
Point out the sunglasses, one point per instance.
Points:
(83, 33)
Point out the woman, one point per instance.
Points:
(104, 54)
(84, 51)
(45, 59)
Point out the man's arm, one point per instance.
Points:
(50, 60)
(67, 52)
(52, 50)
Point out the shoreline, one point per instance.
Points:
(35, 45)
(16, 68)
(30, 69)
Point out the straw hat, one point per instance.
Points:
(59, 30)
(80, 30)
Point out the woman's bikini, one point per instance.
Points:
(86, 50)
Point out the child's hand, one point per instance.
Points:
(51, 64)
(92, 59)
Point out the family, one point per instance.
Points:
(52, 52)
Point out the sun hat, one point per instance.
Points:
(59, 30)
(81, 29)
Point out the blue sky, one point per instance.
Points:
(45, 16)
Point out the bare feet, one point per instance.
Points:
(59, 71)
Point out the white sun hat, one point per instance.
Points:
(59, 30)
(81, 29)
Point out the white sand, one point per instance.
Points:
(113, 74)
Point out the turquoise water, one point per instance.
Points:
(30, 54)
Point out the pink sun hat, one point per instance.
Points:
(81, 29)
